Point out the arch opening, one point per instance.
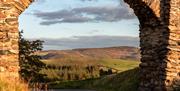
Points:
(106, 27)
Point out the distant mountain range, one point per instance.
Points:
(89, 42)
(122, 52)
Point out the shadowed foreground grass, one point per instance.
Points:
(12, 85)
(124, 81)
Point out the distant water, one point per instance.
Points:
(70, 90)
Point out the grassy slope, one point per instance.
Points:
(120, 64)
(124, 81)
(12, 85)
(97, 53)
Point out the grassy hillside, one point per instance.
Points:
(119, 64)
(122, 52)
(103, 69)
(124, 81)
(77, 69)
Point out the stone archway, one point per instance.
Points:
(159, 41)
(160, 47)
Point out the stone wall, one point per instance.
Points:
(173, 56)
(159, 41)
(9, 12)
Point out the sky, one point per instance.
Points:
(69, 24)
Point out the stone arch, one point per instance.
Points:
(159, 41)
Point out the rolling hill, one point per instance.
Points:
(122, 52)
(68, 68)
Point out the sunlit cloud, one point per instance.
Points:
(85, 14)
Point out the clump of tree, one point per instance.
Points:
(105, 72)
(70, 72)
(30, 62)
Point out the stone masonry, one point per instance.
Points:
(9, 12)
(159, 41)
(160, 44)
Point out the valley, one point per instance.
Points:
(87, 68)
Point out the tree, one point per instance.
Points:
(30, 62)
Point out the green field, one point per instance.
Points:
(120, 64)
(125, 79)
(78, 67)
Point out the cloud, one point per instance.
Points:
(86, 14)
(107, 13)
(90, 42)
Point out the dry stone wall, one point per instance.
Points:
(159, 41)
(9, 12)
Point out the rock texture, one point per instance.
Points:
(160, 43)
(159, 34)
(9, 12)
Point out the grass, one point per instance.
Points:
(12, 85)
(70, 61)
(79, 84)
(124, 81)
(119, 64)
(78, 68)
